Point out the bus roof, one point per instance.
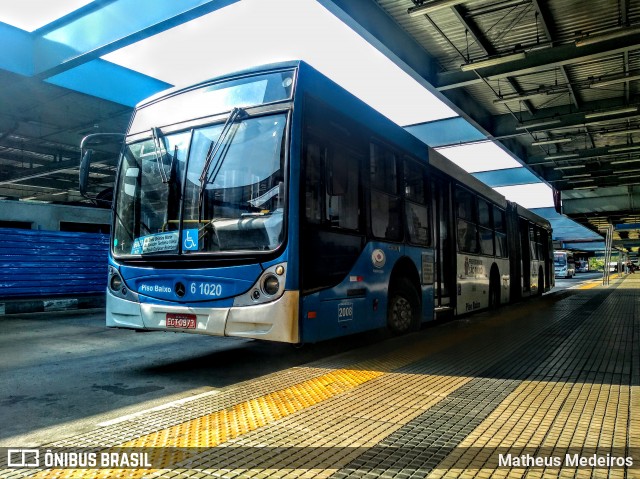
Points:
(354, 107)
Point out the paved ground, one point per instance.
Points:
(557, 378)
(63, 373)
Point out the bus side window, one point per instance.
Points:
(466, 227)
(342, 188)
(501, 235)
(416, 204)
(385, 201)
(485, 227)
(313, 182)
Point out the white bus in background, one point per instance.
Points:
(582, 266)
(564, 264)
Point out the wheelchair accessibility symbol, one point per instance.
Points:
(190, 240)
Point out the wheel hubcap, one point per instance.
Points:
(402, 314)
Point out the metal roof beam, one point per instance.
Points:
(539, 60)
(81, 39)
(480, 40)
(544, 19)
(563, 118)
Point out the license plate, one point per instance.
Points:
(181, 321)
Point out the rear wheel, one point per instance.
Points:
(403, 311)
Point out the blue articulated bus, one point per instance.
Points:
(273, 204)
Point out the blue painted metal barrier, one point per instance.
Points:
(51, 263)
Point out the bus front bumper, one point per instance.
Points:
(273, 321)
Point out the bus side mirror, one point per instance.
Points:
(85, 165)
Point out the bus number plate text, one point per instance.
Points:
(345, 311)
(181, 321)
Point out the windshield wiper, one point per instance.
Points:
(218, 149)
(160, 151)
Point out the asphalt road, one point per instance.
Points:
(61, 374)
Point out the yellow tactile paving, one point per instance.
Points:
(216, 428)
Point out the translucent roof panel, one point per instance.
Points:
(30, 15)
(255, 32)
(534, 195)
(480, 156)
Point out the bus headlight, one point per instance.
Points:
(270, 285)
(116, 282)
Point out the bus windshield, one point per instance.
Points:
(560, 260)
(167, 204)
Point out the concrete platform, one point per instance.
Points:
(546, 388)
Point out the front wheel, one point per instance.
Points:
(403, 312)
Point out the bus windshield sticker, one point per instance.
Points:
(345, 311)
(190, 239)
(155, 243)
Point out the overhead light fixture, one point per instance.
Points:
(627, 77)
(489, 62)
(615, 111)
(629, 131)
(629, 171)
(432, 6)
(561, 155)
(570, 167)
(589, 180)
(551, 141)
(584, 175)
(583, 187)
(528, 95)
(628, 176)
(624, 148)
(620, 162)
(536, 124)
(612, 35)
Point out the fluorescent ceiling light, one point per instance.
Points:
(628, 176)
(624, 148)
(536, 124)
(591, 39)
(618, 79)
(551, 141)
(615, 111)
(629, 171)
(630, 131)
(432, 6)
(489, 62)
(588, 180)
(620, 162)
(570, 167)
(582, 175)
(584, 187)
(562, 155)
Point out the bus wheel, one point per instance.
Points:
(494, 289)
(404, 307)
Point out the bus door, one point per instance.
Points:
(526, 256)
(445, 253)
